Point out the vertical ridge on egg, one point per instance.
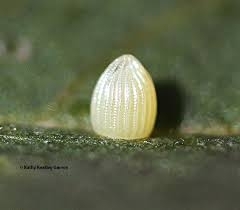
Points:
(124, 101)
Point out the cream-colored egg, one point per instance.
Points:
(124, 103)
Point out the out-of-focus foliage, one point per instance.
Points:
(52, 53)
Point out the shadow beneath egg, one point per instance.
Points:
(171, 102)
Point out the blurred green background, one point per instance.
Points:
(51, 55)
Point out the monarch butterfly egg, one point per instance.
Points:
(124, 103)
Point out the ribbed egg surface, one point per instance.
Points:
(124, 103)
